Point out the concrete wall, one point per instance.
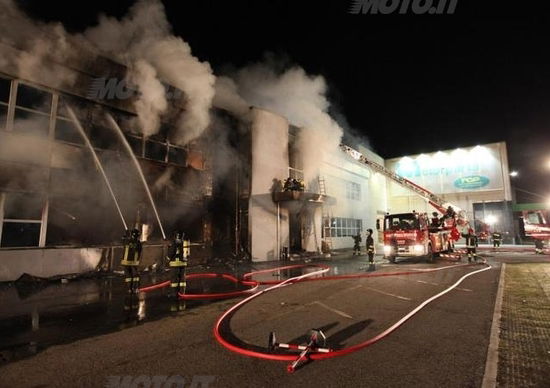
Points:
(340, 168)
(47, 262)
(269, 161)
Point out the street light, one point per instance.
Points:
(513, 174)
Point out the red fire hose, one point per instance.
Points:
(253, 286)
(320, 356)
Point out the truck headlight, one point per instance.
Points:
(418, 248)
(387, 249)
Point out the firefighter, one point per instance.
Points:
(497, 239)
(288, 185)
(435, 220)
(130, 259)
(450, 212)
(538, 246)
(471, 244)
(357, 244)
(370, 249)
(178, 252)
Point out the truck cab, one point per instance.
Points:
(411, 235)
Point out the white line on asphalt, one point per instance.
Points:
(491, 365)
(387, 293)
(425, 282)
(463, 289)
(343, 314)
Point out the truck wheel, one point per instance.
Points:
(430, 255)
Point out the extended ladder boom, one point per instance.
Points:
(433, 199)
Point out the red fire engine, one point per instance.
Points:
(411, 235)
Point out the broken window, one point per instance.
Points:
(33, 98)
(31, 123)
(22, 219)
(3, 115)
(177, 155)
(65, 130)
(155, 150)
(20, 234)
(135, 144)
(5, 87)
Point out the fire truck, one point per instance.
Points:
(411, 235)
(534, 224)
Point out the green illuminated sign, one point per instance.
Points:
(471, 182)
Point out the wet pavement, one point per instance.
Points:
(444, 345)
(36, 315)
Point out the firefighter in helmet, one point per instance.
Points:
(130, 259)
(178, 252)
(471, 244)
(370, 249)
(357, 244)
(436, 223)
(497, 239)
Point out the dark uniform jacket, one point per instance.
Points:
(471, 240)
(370, 244)
(176, 253)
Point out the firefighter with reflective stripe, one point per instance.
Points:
(178, 252)
(130, 259)
(471, 244)
(370, 249)
(497, 239)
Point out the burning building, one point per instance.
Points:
(216, 152)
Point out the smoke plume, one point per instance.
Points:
(34, 50)
(144, 41)
(294, 94)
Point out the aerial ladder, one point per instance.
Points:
(436, 201)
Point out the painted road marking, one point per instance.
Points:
(463, 289)
(387, 293)
(341, 313)
(425, 282)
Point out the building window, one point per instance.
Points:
(32, 98)
(177, 155)
(343, 227)
(155, 150)
(65, 130)
(295, 167)
(32, 111)
(136, 144)
(5, 87)
(353, 191)
(22, 219)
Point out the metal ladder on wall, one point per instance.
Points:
(326, 216)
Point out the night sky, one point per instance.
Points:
(410, 83)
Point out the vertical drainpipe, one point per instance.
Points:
(279, 243)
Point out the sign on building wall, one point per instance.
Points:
(462, 170)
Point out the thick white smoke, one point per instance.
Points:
(294, 94)
(145, 36)
(34, 50)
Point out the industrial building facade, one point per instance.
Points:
(56, 216)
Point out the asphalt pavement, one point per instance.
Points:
(445, 344)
